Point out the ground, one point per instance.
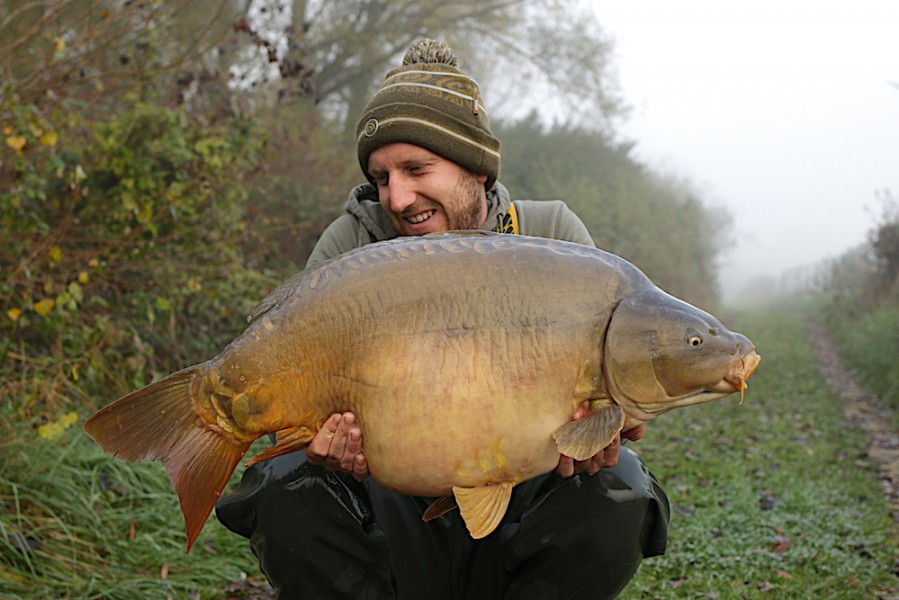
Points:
(864, 410)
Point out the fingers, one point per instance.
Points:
(566, 466)
(609, 456)
(318, 448)
(582, 411)
(338, 446)
(635, 434)
(360, 467)
(604, 459)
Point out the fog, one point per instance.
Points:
(785, 113)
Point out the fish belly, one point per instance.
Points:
(442, 410)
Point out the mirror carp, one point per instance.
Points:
(464, 357)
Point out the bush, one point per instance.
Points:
(868, 344)
(125, 263)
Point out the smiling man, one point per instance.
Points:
(425, 193)
(319, 525)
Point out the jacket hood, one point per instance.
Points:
(363, 204)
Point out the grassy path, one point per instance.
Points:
(776, 498)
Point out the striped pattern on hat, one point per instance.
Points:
(430, 103)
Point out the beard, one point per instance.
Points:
(468, 204)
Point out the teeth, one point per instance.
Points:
(415, 219)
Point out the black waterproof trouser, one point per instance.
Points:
(324, 535)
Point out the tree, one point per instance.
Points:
(883, 239)
(96, 50)
(658, 222)
(344, 48)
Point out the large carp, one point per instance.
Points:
(464, 357)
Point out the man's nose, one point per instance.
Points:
(400, 194)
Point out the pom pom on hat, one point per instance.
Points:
(429, 102)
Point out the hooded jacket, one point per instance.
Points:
(366, 221)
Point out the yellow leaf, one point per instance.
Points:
(50, 431)
(83, 277)
(44, 306)
(55, 253)
(50, 138)
(16, 142)
(145, 214)
(194, 285)
(60, 44)
(53, 431)
(14, 313)
(8, 130)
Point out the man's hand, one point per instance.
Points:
(605, 458)
(338, 446)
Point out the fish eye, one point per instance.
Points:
(695, 341)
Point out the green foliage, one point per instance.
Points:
(771, 497)
(126, 233)
(861, 306)
(89, 217)
(868, 344)
(306, 175)
(883, 240)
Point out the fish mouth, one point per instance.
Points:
(735, 380)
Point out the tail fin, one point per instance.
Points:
(160, 422)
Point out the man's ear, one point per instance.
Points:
(482, 179)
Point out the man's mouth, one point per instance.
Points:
(420, 217)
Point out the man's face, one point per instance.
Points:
(423, 192)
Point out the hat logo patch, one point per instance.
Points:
(371, 128)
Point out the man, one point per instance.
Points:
(319, 525)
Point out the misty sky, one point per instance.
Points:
(784, 111)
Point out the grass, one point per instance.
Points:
(868, 342)
(79, 524)
(775, 498)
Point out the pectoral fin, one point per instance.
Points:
(583, 438)
(440, 507)
(482, 508)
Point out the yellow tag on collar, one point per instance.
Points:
(508, 223)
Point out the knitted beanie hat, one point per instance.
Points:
(430, 103)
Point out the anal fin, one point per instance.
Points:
(439, 507)
(583, 438)
(289, 440)
(482, 508)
